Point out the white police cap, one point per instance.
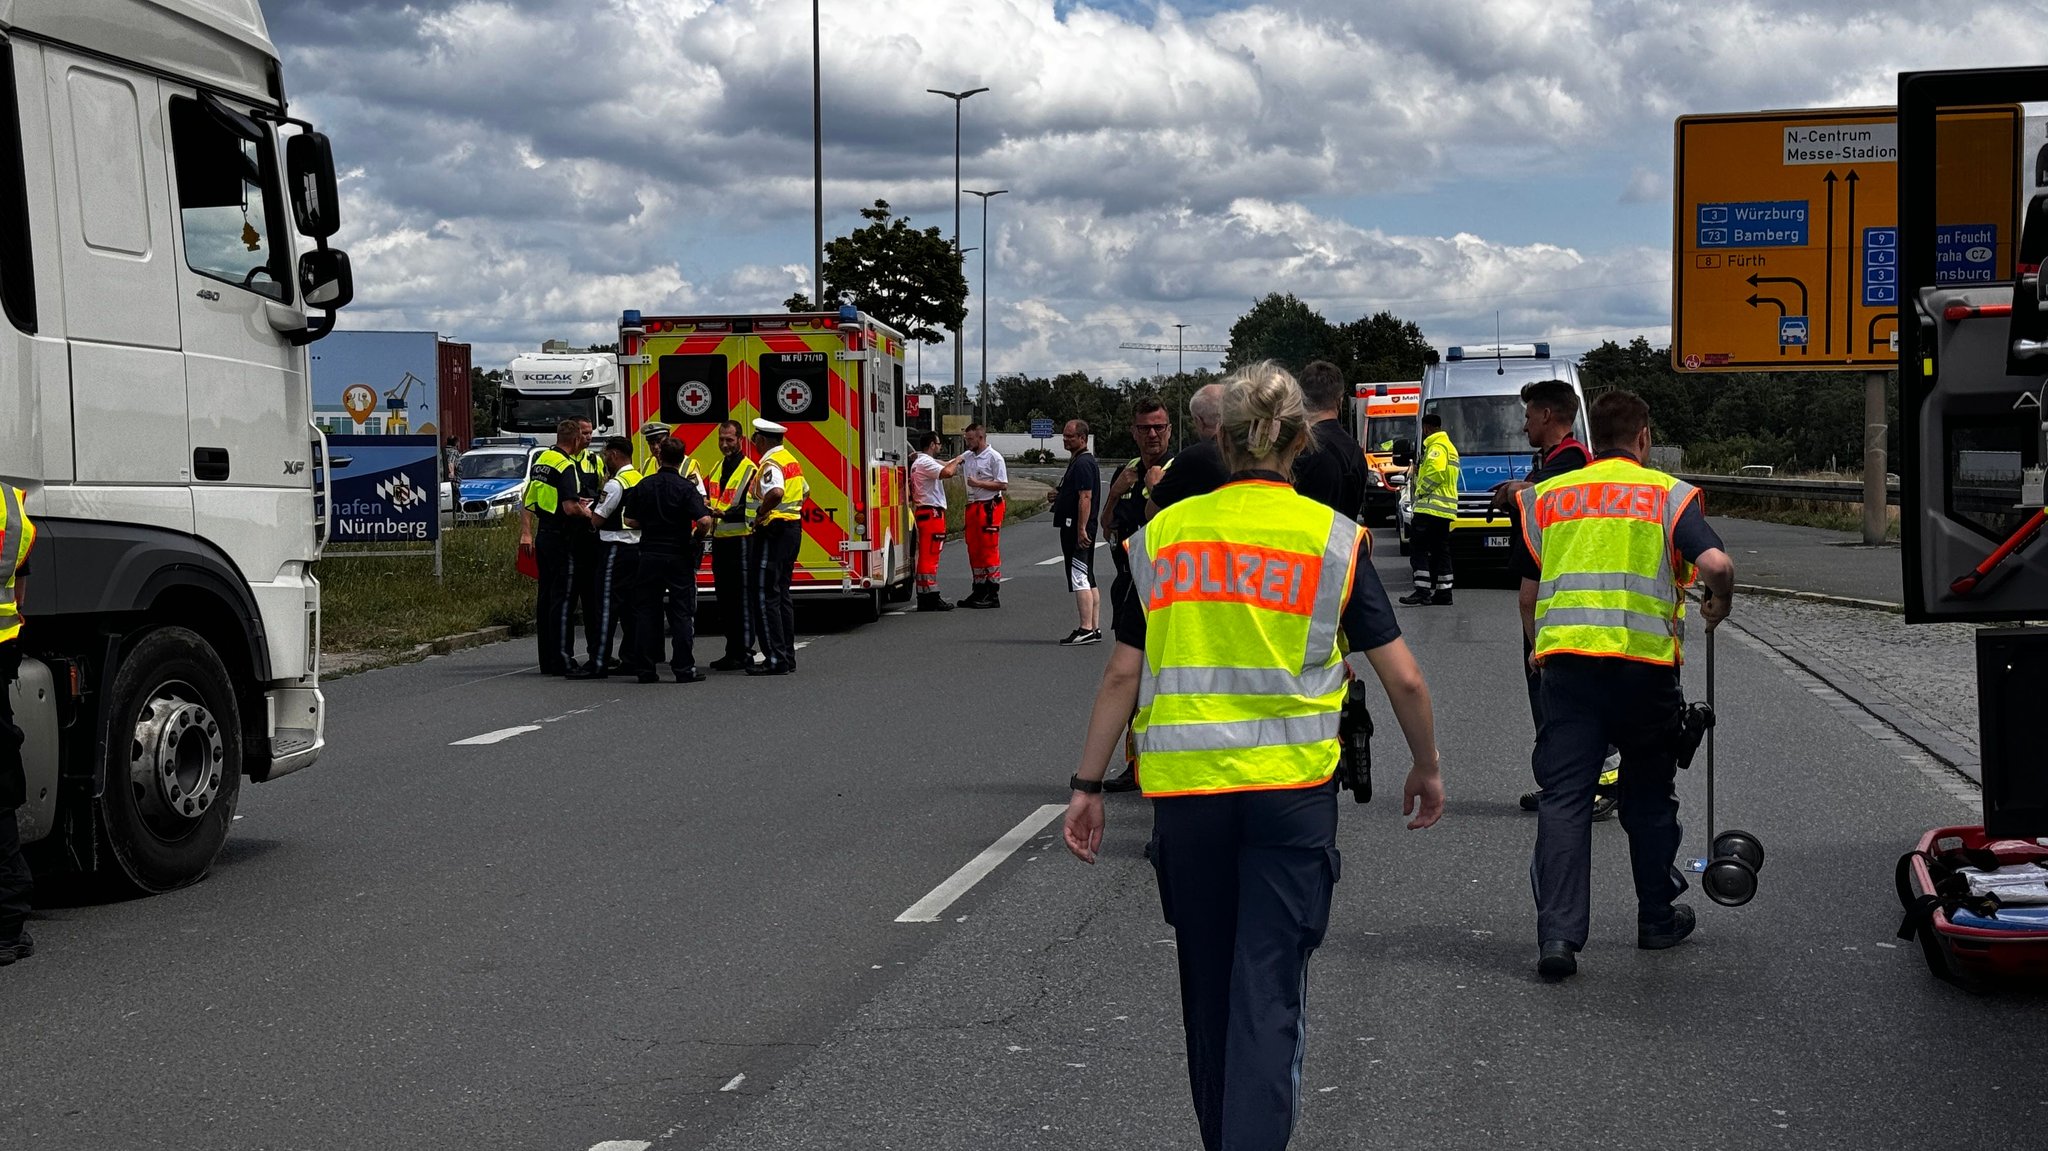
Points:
(770, 427)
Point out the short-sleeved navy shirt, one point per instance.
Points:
(1368, 621)
(1334, 473)
(1082, 475)
(1196, 471)
(1694, 536)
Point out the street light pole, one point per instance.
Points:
(958, 98)
(981, 395)
(1180, 348)
(817, 165)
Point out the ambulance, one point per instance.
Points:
(835, 380)
(1383, 413)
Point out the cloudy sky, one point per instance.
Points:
(524, 169)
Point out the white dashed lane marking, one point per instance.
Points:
(498, 736)
(928, 909)
(733, 1084)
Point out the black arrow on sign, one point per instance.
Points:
(1754, 300)
(1848, 284)
(1756, 280)
(1875, 320)
(1828, 296)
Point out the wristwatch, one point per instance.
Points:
(1085, 786)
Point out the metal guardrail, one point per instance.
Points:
(1823, 491)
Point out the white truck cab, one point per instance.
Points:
(544, 388)
(154, 404)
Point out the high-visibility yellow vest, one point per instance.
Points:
(628, 478)
(791, 509)
(1613, 583)
(17, 535)
(540, 494)
(1436, 481)
(723, 496)
(1243, 591)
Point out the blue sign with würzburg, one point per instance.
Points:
(386, 489)
(1762, 224)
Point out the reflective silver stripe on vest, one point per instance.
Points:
(1635, 621)
(1312, 684)
(1241, 735)
(1327, 614)
(1674, 505)
(10, 543)
(1607, 581)
(1142, 576)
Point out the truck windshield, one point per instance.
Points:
(491, 466)
(1484, 425)
(1380, 429)
(528, 413)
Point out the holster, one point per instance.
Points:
(1354, 743)
(1688, 729)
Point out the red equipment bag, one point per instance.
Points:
(1967, 938)
(526, 562)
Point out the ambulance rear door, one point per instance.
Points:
(802, 383)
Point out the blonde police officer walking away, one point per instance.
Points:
(1252, 595)
(1434, 480)
(1609, 551)
(988, 479)
(726, 491)
(771, 559)
(17, 536)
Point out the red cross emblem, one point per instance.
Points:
(695, 398)
(795, 396)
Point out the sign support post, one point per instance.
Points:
(1876, 497)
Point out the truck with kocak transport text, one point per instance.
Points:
(541, 389)
(835, 380)
(155, 405)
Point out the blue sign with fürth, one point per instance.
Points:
(1041, 429)
(386, 489)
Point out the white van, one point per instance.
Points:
(1478, 392)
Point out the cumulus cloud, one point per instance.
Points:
(526, 168)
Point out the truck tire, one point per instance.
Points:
(174, 761)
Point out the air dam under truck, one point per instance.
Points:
(155, 405)
(835, 380)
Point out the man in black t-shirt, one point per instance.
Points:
(1197, 469)
(1333, 474)
(1124, 514)
(1073, 510)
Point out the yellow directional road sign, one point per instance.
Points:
(1786, 241)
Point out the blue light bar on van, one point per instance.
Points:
(1537, 351)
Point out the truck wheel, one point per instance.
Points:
(174, 760)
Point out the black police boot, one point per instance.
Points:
(1441, 598)
(994, 598)
(930, 601)
(1417, 598)
(976, 598)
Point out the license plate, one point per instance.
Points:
(1496, 541)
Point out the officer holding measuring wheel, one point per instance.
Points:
(1608, 551)
(1251, 595)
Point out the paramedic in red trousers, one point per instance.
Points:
(725, 490)
(17, 536)
(928, 502)
(1549, 409)
(1252, 596)
(1607, 553)
(988, 478)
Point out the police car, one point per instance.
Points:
(492, 477)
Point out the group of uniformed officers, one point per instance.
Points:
(1245, 596)
(624, 548)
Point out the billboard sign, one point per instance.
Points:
(386, 489)
(377, 384)
(1786, 237)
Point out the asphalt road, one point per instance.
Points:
(666, 916)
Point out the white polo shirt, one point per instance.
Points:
(927, 482)
(988, 466)
(614, 495)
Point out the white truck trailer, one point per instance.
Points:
(154, 404)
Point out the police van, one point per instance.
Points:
(1478, 392)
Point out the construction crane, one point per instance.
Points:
(1177, 347)
(398, 423)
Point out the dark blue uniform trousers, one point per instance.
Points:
(1245, 880)
(1589, 704)
(618, 603)
(553, 627)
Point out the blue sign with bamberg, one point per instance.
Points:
(386, 489)
(1041, 429)
(1965, 253)
(1758, 224)
(1880, 267)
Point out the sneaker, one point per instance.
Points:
(1072, 637)
(1081, 638)
(1417, 598)
(1557, 959)
(1657, 939)
(1603, 807)
(21, 948)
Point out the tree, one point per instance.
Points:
(1381, 347)
(1281, 327)
(909, 280)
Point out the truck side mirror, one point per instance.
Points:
(1404, 452)
(604, 411)
(325, 282)
(309, 168)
